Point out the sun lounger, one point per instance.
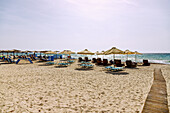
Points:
(99, 61)
(70, 61)
(130, 64)
(118, 63)
(80, 59)
(84, 62)
(63, 64)
(86, 59)
(18, 61)
(9, 60)
(50, 63)
(94, 60)
(87, 65)
(105, 62)
(116, 68)
(146, 63)
(112, 68)
(111, 62)
(30, 60)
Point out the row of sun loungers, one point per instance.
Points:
(116, 62)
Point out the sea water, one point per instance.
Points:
(163, 58)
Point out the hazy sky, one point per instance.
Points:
(142, 25)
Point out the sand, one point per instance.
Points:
(33, 88)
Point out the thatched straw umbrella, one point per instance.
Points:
(15, 51)
(100, 53)
(114, 51)
(42, 52)
(56, 51)
(97, 53)
(128, 53)
(85, 52)
(67, 52)
(50, 52)
(8, 51)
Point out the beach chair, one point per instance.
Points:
(86, 59)
(112, 68)
(52, 58)
(9, 60)
(130, 64)
(70, 61)
(83, 62)
(18, 61)
(30, 60)
(94, 60)
(87, 65)
(116, 68)
(99, 61)
(118, 63)
(63, 64)
(105, 62)
(111, 62)
(80, 59)
(146, 63)
(50, 63)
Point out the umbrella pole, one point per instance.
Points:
(114, 56)
(13, 56)
(135, 57)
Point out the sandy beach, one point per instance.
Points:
(33, 88)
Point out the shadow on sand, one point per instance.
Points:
(117, 73)
(131, 68)
(60, 66)
(23, 63)
(45, 64)
(84, 69)
(6, 63)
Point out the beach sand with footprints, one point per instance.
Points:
(36, 88)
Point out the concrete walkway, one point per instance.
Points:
(156, 101)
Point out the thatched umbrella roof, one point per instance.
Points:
(137, 53)
(113, 50)
(85, 52)
(27, 51)
(97, 53)
(56, 51)
(50, 52)
(101, 53)
(16, 50)
(43, 51)
(128, 52)
(67, 52)
(7, 51)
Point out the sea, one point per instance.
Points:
(162, 58)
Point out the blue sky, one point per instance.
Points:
(142, 25)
